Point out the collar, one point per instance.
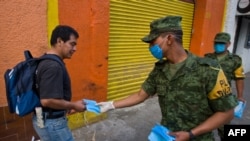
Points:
(189, 64)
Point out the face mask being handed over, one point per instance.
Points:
(219, 47)
(156, 51)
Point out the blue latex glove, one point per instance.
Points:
(92, 106)
(160, 133)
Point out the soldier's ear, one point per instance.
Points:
(170, 39)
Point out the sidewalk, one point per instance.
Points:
(135, 123)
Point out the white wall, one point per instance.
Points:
(240, 50)
(230, 26)
(231, 20)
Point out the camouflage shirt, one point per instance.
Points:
(231, 65)
(197, 90)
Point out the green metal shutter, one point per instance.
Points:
(129, 58)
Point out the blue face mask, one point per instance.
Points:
(219, 47)
(92, 106)
(156, 51)
(160, 133)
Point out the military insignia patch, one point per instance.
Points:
(221, 88)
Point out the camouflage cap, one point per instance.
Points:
(166, 24)
(222, 37)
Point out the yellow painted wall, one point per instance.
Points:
(130, 61)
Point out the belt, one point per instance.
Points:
(54, 115)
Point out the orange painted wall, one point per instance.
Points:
(88, 67)
(23, 25)
(208, 20)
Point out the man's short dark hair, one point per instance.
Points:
(64, 32)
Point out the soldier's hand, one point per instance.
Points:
(241, 99)
(106, 106)
(180, 135)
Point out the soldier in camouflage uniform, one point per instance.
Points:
(194, 95)
(231, 65)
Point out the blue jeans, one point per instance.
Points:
(54, 130)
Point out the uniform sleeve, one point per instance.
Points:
(219, 91)
(239, 71)
(149, 85)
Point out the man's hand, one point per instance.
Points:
(106, 106)
(79, 106)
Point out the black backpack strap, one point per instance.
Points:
(52, 57)
(27, 55)
(57, 59)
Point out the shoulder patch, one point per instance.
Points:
(208, 61)
(221, 87)
(208, 54)
(237, 57)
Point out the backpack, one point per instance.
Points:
(20, 82)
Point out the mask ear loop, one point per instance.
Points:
(86, 122)
(176, 37)
(87, 125)
(163, 40)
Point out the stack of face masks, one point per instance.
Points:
(160, 133)
(239, 109)
(92, 106)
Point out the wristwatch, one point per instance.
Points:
(191, 135)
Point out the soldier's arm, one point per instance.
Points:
(216, 120)
(131, 100)
(222, 102)
(148, 88)
(239, 76)
(239, 87)
(126, 102)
